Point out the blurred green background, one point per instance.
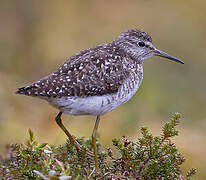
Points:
(37, 36)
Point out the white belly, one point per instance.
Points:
(95, 105)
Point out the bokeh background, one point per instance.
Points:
(37, 36)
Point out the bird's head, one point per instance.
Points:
(139, 45)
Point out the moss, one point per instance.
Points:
(149, 157)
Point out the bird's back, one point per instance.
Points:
(102, 74)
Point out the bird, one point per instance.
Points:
(97, 80)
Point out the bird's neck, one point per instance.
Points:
(129, 50)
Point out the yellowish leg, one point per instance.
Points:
(71, 139)
(94, 133)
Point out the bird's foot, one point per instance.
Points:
(80, 148)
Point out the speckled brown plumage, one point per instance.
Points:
(96, 71)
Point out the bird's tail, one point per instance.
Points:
(27, 90)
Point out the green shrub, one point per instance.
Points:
(150, 157)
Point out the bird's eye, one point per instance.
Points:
(141, 44)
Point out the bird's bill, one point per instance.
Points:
(165, 55)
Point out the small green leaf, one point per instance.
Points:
(42, 145)
(31, 135)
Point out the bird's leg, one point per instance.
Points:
(94, 133)
(71, 139)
